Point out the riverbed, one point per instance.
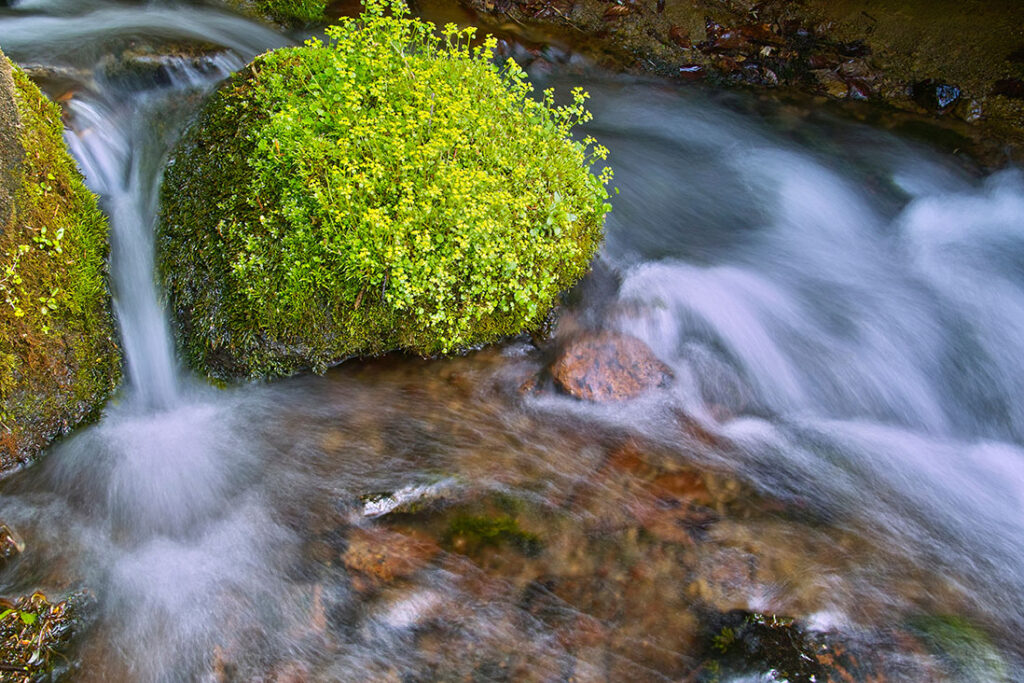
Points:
(831, 481)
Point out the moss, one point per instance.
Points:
(469, 534)
(285, 12)
(965, 648)
(388, 190)
(58, 357)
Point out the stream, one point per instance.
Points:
(842, 440)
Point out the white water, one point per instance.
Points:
(848, 314)
(868, 342)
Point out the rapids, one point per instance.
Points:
(842, 311)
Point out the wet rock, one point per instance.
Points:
(408, 499)
(381, 556)
(290, 672)
(745, 643)
(11, 544)
(608, 367)
(59, 359)
(964, 648)
(146, 66)
(1009, 87)
(935, 95)
(725, 579)
(691, 72)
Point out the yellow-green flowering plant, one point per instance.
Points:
(391, 188)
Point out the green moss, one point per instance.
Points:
(469, 534)
(286, 12)
(58, 356)
(388, 190)
(964, 647)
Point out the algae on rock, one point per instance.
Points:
(59, 360)
(283, 12)
(390, 189)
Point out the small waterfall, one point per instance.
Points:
(109, 138)
(120, 138)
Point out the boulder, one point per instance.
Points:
(359, 196)
(59, 360)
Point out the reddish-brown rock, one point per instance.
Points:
(383, 556)
(608, 367)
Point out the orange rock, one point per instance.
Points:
(383, 556)
(608, 367)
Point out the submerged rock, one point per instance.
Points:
(408, 499)
(11, 544)
(608, 367)
(963, 647)
(58, 357)
(380, 556)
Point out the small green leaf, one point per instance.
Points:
(28, 618)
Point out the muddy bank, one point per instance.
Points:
(951, 74)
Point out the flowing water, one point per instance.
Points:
(841, 441)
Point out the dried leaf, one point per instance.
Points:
(616, 11)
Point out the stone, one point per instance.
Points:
(381, 556)
(10, 149)
(11, 544)
(935, 95)
(59, 359)
(608, 367)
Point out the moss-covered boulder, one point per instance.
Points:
(58, 357)
(388, 190)
(283, 12)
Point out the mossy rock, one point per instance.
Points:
(965, 648)
(283, 12)
(391, 189)
(59, 360)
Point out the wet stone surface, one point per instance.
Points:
(11, 544)
(608, 367)
(952, 67)
(542, 557)
(448, 528)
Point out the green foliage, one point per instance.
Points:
(58, 357)
(392, 188)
